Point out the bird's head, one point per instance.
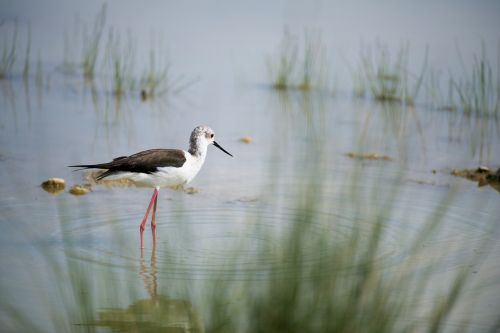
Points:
(203, 136)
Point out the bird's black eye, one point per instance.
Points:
(212, 135)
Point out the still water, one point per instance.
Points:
(62, 255)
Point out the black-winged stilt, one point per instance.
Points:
(160, 168)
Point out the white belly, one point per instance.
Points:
(164, 176)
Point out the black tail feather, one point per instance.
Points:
(82, 166)
(94, 166)
(105, 174)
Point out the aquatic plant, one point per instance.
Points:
(314, 68)
(39, 72)
(475, 92)
(389, 79)
(283, 69)
(311, 275)
(71, 41)
(359, 84)
(434, 91)
(345, 288)
(91, 44)
(155, 78)
(300, 63)
(26, 69)
(121, 60)
(478, 92)
(8, 55)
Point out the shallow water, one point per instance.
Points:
(231, 229)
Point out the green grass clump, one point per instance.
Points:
(117, 61)
(300, 63)
(155, 78)
(91, 44)
(475, 93)
(8, 55)
(26, 69)
(121, 60)
(388, 78)
(283, 69)
(478, 92)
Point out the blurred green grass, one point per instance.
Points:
(326, 281)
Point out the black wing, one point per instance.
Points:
(146, 161)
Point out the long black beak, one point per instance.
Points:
(218, 146)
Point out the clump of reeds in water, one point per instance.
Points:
(92, 44)
(9, 54)
(118, 61)
(475, 92)
(156, 78)
(121, 61)
(478, 92)
(299, 63)
(388, 78)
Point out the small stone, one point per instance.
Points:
(246, 139)
(53, 185)
(191, 190)
(369, 156)
(79, 190)
(483, 169)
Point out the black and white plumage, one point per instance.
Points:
(160, 167)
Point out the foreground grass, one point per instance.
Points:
(309, 275)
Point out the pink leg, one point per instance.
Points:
(153, 221)
(143, 223)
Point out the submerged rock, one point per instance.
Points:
(181, 188)
(53, 185)
(369, 156)
(191, 190)
(79, 189)
(246, 139)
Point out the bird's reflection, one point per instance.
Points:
(149, 275)
(155, 314)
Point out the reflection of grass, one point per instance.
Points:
(299, 65)
(8, 55)
(388, 78)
